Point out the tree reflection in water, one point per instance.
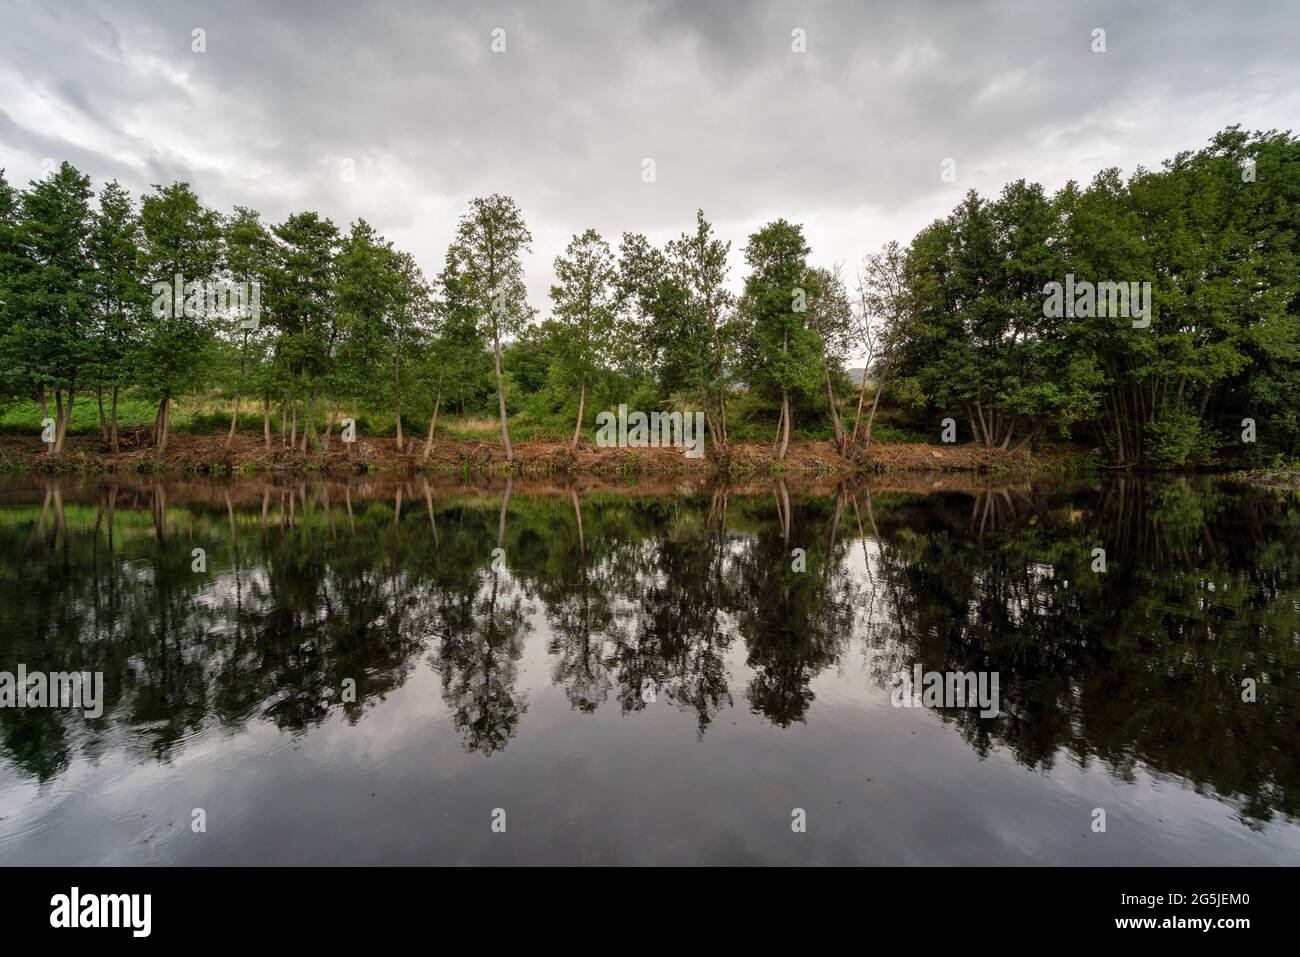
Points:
(661, 595)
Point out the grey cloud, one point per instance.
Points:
(845, 137)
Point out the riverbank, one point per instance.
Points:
(1272, 478)
(209, 455)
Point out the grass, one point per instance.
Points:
(24, 417)
(750, 418)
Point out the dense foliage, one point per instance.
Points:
(116, 299)
(1217, 235)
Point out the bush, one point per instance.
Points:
(1179, 438)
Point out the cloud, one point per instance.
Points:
(847, 138)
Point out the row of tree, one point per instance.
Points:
(345, 320)
(955, 324)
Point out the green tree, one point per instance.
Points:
(830, 315)
(182, 247)
(249, 251)
(490, 241)
(700, 265)
(120, 299)
(410, 324)
(299, 298)
(884, 308)
(49, 342)
(365, 291)
(783, 352)
(456, 364)
(11, 260)
(585, 309)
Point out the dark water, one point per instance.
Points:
(641, 676)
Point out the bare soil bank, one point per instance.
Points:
(208, 454)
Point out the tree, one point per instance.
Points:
(490, 240)
(299, 296)
(884, 307)
(249, 255)
(365, 291)
(700, 263)
(979, 338)
(658, 316)
(48, 343)
(585, 309)
(830, 315)
(409, 324)
(783, 352)
(11, 262)
(456, 362)
(120, 299)
(181, 257)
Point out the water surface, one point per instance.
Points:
(650, 674)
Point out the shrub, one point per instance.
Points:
(1179, 438)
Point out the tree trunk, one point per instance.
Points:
(433, 423)
(64, 419)
(875, 401)
(785, 403)
(862, 395)
(164, 426)
(293, 431)
(284, 418)
(501, 400)
(266, 420)
(112, 431)
(243, 376)
(988, 442)
(785, 414)
(103, 421)
(721, 437)
(582, 404)
(155, 430)
(52, 449)
(722, 413)
(397, 399)
(1029, 436)
(835, 414)
(307, 414)
(234, 420)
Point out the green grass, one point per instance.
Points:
(24, 417)
(749, 419)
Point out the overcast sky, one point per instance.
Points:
(847, 138)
